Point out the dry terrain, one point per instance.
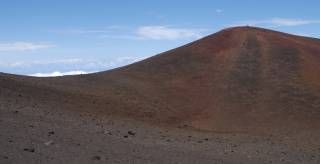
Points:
(242, 95)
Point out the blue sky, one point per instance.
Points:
(55, 37)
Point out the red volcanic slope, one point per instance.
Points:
(238, 78)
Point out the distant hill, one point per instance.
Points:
(240, 78)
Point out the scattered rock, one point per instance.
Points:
(313, 156)
(284, 153)
(125, 136)
(107, 132)
(234, 145)
(131, 133)
(29, 150)
(49, 143)
(96, 158)
(16, 112)
(51, 133)
(183, 126)
(10, 141)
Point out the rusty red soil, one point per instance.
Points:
(240, 78)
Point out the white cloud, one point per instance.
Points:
(292, 22)
(57, 73)
(168, 33)
(24, 46)
(24, 64)
(277, 22)
(120, 61)
(63, 66)
(303, 34)
(138, 33)
(219, 10)
(126, 37)
(81, 31)
(89, 65)
(78, 31)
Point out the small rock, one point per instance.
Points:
(16, 112)
(284, 153)
(96, 158)
(29, 150)
(50, 133)
(125, 136)
(234, 145)
(5, 157)
(108, 132)
(131, 133)
(48, 143)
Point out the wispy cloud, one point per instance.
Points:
(37, 63)
(292, 22)
(122, 37)
(219, 10)
(57, 73)
(306, 34)
(82, 31)
(74, 61)
(277, 22)
(65, 65)
(90, 65)
(168, 33)
(24, 46)
(138, 33)
(78, 31)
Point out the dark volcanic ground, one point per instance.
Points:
(39, 137)
(242, 95)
